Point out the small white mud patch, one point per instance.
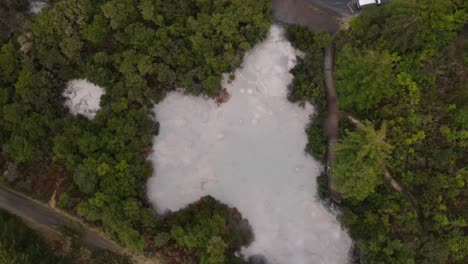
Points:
(83, 97)
(36, 7)
(249, 154)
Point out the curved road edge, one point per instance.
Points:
(55, 220)
(39, 213)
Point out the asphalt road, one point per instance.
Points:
(43, 215)
(307, 13)
(340, 6)
(317, 15)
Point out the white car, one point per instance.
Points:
(360, 3)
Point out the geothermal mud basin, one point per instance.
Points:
(249, 154)
(83, 97)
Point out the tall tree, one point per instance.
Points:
(360, 156)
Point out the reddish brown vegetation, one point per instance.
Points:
(222, 97)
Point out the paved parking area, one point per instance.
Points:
(317, 15)
(308, 13)
(340, 6)
(343, 7)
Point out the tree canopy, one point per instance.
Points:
(137, 50)
(214, 232)
(360, 155)
(365, 78)
(401, 66)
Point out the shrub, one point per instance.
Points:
(210, 229)
(64, 200)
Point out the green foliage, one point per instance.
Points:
(9, 63)
(138, 51)
(300, 36)
(21, 245)
(316, 139)
(323, 39)
(360, 155)
(85, 180)
(412, 85)
(214, 232)
(364, 79)
(410, 26)
(64, 200)
(97, 31)
(322, 186)
(120, 12)
(308, 84)
(162, 239)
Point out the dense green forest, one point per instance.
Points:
(208, 229)
(402, 156)
(138, 50)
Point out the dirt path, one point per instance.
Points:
(332, 122)
(460, 49)
(317, 16)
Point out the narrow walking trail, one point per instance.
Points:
(332, 122)
(332, 127)
(317, 16)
